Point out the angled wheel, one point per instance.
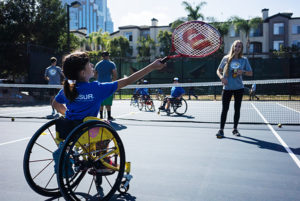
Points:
(150, 105)
(180, 106)
(96, 151)
(38, 162)
(141, 103)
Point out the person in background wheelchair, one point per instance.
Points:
(144, 92)
(80, 98)
(176, 94)
(252, 92)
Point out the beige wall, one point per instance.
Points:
(292, 36)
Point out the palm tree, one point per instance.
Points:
(246, 26)
(194, 13)
(223, 28)
(165, 42)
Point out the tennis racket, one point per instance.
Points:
(194, 39)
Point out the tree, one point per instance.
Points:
(119, 47)
(165, 42)
(194, 13)
(50, 23)
(245, 26)
(178, 22)
(222, 27)
(144, 47)
(28, 23)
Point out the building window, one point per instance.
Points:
(295, 29)
(278, 44)
(255, 47)
(296, 43)
(233, 32)
(128, 35)
(278, 29)
(145, 34)
(256, 32)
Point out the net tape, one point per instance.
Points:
(133, 86)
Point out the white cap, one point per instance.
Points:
(176, 79)
(145, 81)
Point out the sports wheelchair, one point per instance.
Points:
(145, 101)
(89, 161)
(178, 106)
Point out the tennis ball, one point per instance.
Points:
(279, 125)
(12, 119)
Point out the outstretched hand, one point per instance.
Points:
(158, 65)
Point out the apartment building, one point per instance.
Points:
(132, 33)
(277, 30)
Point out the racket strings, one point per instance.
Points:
(196, 39)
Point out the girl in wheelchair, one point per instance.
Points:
(176, 94)
(80, 98)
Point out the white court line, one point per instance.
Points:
(10, 142)
(22, 112)
(27, 138)
(296, 160)
(287, 107)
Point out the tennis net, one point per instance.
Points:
(272, 101)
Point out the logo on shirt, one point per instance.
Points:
(52, 72)
(85, 97)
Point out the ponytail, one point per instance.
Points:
(226, 68)
(70, 90)
(231, 55)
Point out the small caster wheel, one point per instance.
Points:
(123, 189)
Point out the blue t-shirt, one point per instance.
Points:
(54, 73)
(143, 91)
(177, 91)
(89, 99)
(235, 83)
(104, 69)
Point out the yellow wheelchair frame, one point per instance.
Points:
(91, 133)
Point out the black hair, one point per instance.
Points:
(72, 65)
(52, 60)
(105, 54)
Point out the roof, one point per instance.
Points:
(286, 15)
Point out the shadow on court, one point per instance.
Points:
(116, 197)
(264, 144)
(117, 126)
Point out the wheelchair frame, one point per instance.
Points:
(174, 106)
(91, 147)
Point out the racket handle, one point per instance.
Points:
(164, 60)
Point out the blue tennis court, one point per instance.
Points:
(177, 158)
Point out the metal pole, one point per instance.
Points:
(68, 31)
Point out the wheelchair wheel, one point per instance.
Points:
(150, 105)
(141, 103)
(97, 150)
(38, 162)
(180, 107)
(133, 101)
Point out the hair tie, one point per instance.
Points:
(71, 81)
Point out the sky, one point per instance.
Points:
(140, 12)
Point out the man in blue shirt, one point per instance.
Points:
(53, 75)
(176, 93)
(105, 71)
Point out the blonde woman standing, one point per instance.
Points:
(230, 71)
